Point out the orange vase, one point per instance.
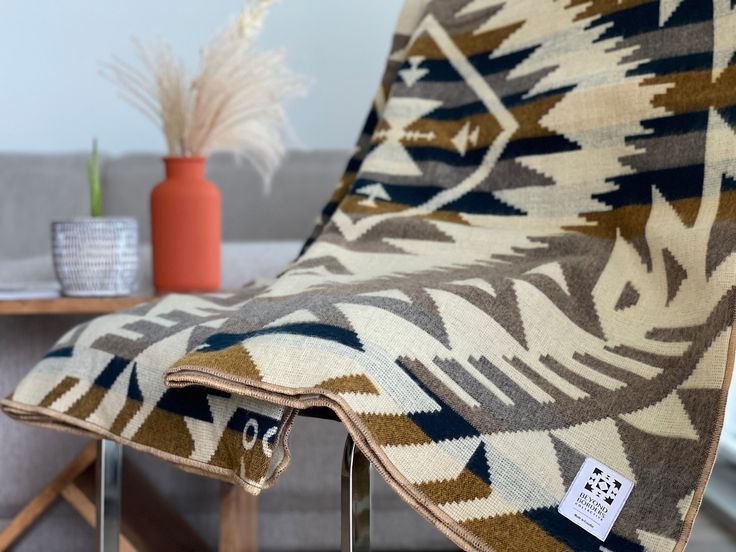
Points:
(186, 228)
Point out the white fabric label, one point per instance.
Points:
(595, 498)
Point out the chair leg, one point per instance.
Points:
(355, 500)
(109, 479)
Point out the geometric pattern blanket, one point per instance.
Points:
(530, 261)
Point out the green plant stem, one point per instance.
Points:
(93, 177)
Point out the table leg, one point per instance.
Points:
(238, 520)
(42, 501)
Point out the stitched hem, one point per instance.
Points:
(44, 417)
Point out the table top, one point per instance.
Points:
(71, 305)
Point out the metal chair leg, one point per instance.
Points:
(109, 478)
(355, 500)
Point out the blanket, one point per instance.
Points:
(519, 301)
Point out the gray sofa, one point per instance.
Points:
(36, 189)
(263, 233)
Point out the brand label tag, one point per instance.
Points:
(595, 498)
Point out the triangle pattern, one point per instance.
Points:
(478, 463)
(708, 373)
(205, 435)
(666, 9)
(389, 294)
(600, 440)
(134, 390)
(374, 192)
(676, 274)
(415, 72)
(667, 418)
(296, 317)
(477, 283)
(568, 460)
(510, 452)
(554, 271)
(465, 138)
(628, 298)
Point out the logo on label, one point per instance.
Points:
(595, 498)
(604, 486)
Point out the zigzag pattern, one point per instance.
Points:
(530, 261)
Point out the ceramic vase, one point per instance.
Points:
(186, 224)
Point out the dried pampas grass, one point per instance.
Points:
(233, 103)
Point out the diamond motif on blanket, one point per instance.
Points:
(404, 125)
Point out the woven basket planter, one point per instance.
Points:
(96, 257)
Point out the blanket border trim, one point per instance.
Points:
(68, 424)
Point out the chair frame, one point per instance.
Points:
(109, 495)
(355, 499)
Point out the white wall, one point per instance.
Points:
(52, 98)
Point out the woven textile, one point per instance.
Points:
(530, 261)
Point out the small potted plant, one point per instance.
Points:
(95, 256)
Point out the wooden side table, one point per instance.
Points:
(149, 522)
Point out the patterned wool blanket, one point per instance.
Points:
(529, 263)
